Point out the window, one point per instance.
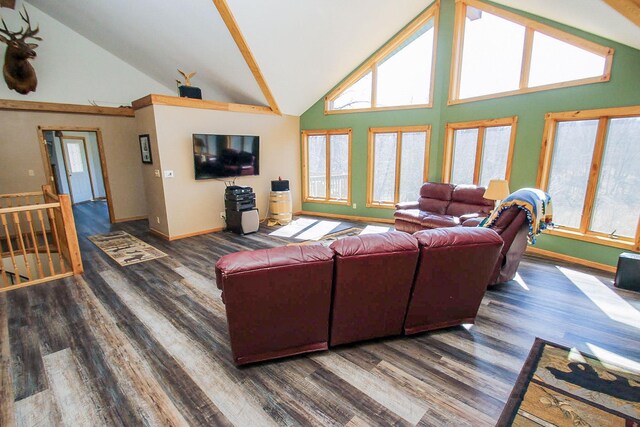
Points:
(477, 152)
(499, 53)
(399, 75)
(326, 166)
(397, 164)
(589, 166)
(75, 157)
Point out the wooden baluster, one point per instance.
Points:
(5, 279)
(56, 238)
(27, 202)
(3, 274)
(34, 242)
(52, 271)
(3, 217)
(23, 249)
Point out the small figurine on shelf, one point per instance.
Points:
(186, 90)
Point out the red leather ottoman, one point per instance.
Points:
(372, 281)
(452, 275)
(277, 301)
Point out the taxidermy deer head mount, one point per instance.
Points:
(18, 72)
(187, 77)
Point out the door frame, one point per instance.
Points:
(103, 159)
(65, 154)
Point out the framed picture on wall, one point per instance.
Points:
(145, 148)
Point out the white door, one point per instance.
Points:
(78, 170)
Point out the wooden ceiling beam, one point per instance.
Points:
(630, 9)
(234, 30)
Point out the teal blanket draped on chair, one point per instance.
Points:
(536, 203)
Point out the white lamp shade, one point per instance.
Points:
(498, 189)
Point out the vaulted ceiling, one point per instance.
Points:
(302, 47)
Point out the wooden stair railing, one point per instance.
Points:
(22, 199)
(13, 275)
(38, 241)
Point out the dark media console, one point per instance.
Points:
(240, 209)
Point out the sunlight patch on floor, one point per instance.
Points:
(293, 228)
(374, 229)
(520, 281)
(612, 360)
(604, 298)
(318, 231)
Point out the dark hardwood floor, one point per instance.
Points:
(147, 344)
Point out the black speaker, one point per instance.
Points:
(190, 92)
(628, 272)
(243, 222)
(280, 185)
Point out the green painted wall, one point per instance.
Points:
(623, 89)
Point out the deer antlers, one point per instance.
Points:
(23, 33)
(17, 71)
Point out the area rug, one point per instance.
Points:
(559, 386)
(125, 249)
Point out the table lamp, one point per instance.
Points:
(497, 190)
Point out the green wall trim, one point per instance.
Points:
(623, 89)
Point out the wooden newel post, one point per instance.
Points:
(70, 234)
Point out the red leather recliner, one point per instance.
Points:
(277, 301)
(372, 282)
(513, 227)
(452, 275)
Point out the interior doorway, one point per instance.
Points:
(75, 164)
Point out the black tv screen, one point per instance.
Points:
(223, 156)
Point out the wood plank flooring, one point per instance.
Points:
(147, 344)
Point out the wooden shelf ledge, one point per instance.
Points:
(54, 107)
(176, 101)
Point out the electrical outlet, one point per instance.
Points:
(168, 174)
(222, 215)
(354, 206)
(157, 172)
(32, 172)
(158, 219)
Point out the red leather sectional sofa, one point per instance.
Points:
(448, 205)
(442, 205)
(297, 299)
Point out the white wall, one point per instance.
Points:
(153, 185)
(190, 206)
(74, 70)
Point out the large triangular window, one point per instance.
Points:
(399, 75)
(499, 53)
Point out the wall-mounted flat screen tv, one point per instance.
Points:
(224, 156)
